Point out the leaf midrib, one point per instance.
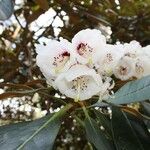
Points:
(133, 92)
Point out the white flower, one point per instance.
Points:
(82, 69)
(146, 50)
(54, 58)
(142, 66)
(124, 69)
(79, 82)
(108, 60)
(88, 45)
(132, 49)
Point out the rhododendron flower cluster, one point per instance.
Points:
(86, 66)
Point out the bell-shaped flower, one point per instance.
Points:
(49, 78)
(146, 50)
(124, 69)
(88, 44)
(108, 60)
(79, 82)
(132, 49)
(142, 66)
(54, 58)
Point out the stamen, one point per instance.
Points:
(90, 61)
(77, 99)
(139, 68)
(60, 61)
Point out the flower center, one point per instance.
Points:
(123, 70)
(138, 68)
(60, 60)
(80, 82)
(108, 58)
(84, 49)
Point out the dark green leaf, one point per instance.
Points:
(141, 130)
(104, 121)
(39, 134)
(96, 136)
(124, 135)
(11, 136)
(146, 108)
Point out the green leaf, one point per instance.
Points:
(141, 130)
(134, 91)
(38, 134)
(96, 136)
(124, 135)
(146, 108)
(104, 121)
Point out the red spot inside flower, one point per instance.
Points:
(123, 70)
(65, 53)
(81, 45)
(81, 48)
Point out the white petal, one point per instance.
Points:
(132, 48)
(79, 70)
(109, 59)
(146, 50)
(82, 77)
(94, 43)
(124, 69)
(53, 58)
(142, 66)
